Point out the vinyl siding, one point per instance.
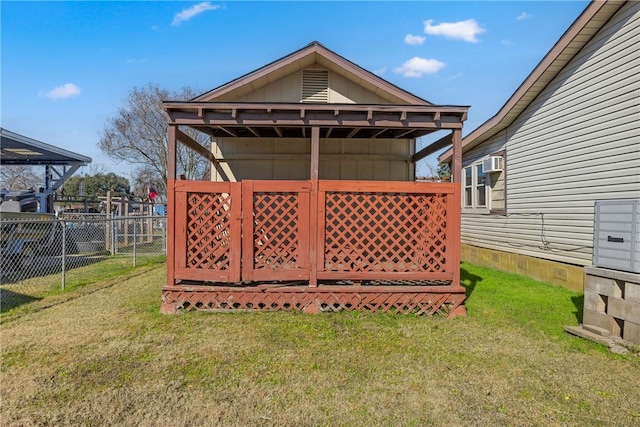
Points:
(577, 142)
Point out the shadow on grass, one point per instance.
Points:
(10, 299)
(469, 281)
(578, 303)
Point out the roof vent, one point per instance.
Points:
(315, 86)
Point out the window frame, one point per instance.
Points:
(473, 168)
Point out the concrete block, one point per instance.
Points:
(594, 301)
(622, 309)
(601, 320)
(602, 286)
(631, 332)
(597, 330)
(632, 292)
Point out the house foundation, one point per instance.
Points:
(566, 275)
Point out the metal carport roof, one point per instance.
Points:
(17, 149)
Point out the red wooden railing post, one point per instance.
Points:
(313, 220)
(247, 230)
(171, 213)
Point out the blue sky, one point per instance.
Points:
(67, 66)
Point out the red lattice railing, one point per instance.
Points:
(403, 231)
(388, 232)
(276, 217)
(371, 238)
(208, 238)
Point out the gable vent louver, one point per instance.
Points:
(315, 86)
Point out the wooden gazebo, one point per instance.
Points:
(322, 241)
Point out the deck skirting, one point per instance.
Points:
(419, 300)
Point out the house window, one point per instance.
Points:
(476, 193)
(481, 186)
(468, 187)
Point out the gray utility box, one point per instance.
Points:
(616, 236)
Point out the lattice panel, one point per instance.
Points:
(276, 234)
(400, 303)
(385, 232)
(208, 230)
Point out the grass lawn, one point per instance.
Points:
(109, 358)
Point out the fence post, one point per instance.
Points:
(107, 230)
(164, 235)
(134, 241)
(112, 233)
(64, 253)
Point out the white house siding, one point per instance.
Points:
(289, 158)
(578, 142)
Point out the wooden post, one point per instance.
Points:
(247, 225)
(455, 215)
(171, 214)
(313, 222)
(456, 163)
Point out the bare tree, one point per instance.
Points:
(138, 134)
(20, 177)
(145, 179)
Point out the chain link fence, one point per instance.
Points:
(45, 256)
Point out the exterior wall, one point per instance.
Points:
(578, 142)
(288, 158)
(289, 89)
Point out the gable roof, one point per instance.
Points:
(590, 21)
(312, 54)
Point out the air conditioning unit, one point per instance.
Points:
(492, 164)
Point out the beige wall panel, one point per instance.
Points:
(349, 169)
(297, 164)
(344, 91)
(287, 89)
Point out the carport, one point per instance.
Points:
(60, 164)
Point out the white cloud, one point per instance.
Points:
(136, 61)
(65, 91)
(506, 42)
(417, 67)
(189, 13)
(380, 71)
(410, 39)
(454, 77)
(461, 30)
(523, 16)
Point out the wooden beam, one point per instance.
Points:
(440, 144)
(230, 132)
(353, 132)
(253, 131)
(380, 132)
(171, 153)
(456, 166)
(329, 130)
(278, 131)
(315, 152)
(401, 134)
(194, 145)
